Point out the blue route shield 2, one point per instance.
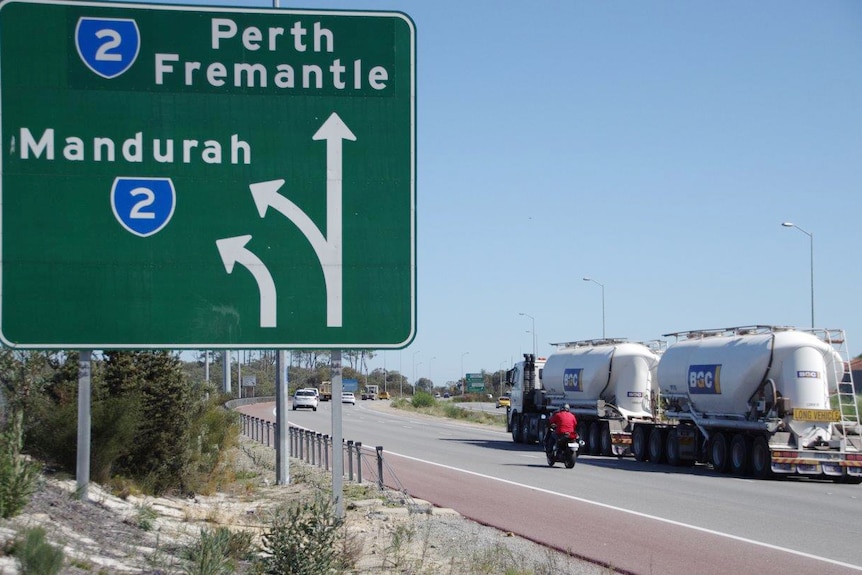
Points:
(143, 206)
(108, 46)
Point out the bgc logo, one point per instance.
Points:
(572, 380)
(704, 379)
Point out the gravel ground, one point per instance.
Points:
(387, 533)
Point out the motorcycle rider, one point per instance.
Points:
(563, 423)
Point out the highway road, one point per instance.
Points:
(635, 517)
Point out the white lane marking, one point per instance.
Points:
(638, 514)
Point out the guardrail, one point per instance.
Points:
(317, 449)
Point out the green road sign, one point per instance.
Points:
(177, 177)
(475, 382)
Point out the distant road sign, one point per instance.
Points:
(198, 177)
(351, 385)
(475, 382)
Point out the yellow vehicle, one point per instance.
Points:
(503, 401)
(383, 395)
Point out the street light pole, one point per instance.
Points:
(414, 369)
(811, 241)
(603, 302)
(535, 352)
(463, 375)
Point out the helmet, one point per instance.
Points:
(566, 407)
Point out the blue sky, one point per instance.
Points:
(653, 146)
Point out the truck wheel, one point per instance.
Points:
(718, 453)
(740, 455)
(639, 443)
(526, 436)
(595, 442)
(671, 447)
(656, 445)
(606, 442)
(761, 460)
(516, 428)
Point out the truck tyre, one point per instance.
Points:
(526, 436)
(595, 442)
(516, 428)
(719, 452)
(761, 460)
(656, 445)
(606, 443)
(740, 455)
(671, 448)
(639, 443)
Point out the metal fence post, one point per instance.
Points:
(301, 444)
(326, 450)
(350, 459)
(314, 439)
(359, 462)
(379, 449)
(268, 430)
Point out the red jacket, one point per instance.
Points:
(565, 422)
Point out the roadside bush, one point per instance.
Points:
(18, 475)
(217, 552)
(423, 399)
(302, 540)
(35, 555)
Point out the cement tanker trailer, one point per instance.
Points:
(757, 400)
(608, 384)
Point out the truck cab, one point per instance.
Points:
(526, 413)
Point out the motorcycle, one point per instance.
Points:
(564, 449)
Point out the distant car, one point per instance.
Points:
(504, 401)
(437, 395)
(305, 398)
(348, 397)
(446, 395)
(384, 395)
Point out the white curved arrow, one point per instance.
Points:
(233, 251)
(329, 248)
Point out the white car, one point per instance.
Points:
(348, 397)
(305, 398)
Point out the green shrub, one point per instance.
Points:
(18, 476)
(35, 555)
(217, 552)
(302, 540)
(423, 399)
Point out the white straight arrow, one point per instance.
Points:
(233, 251)
(328, 249)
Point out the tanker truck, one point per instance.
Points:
(607, 383)
(756, 400)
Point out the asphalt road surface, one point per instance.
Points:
(635, 517)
